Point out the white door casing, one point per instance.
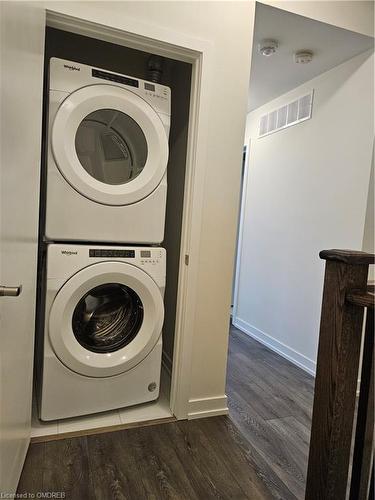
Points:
(22, 54)
(74, 109)
(242, 211)
(93, 364)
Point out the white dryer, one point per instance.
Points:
(107, 156)
(102, 338)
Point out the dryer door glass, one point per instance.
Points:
(111, 146)
(107, 318)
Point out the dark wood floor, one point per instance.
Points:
(259, 452)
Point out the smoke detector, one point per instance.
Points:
(303, 57)
(267, 47)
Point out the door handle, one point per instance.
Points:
(10, 291)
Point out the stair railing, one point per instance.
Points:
(342, 434)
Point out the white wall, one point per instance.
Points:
(368, 236)
(228, 28)
(307, 191)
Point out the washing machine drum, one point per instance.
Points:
(106, 319)
(109, 144)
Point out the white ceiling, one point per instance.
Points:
(273, 76)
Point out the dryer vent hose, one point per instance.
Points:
(155, 68)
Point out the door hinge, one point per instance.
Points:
(186, 259)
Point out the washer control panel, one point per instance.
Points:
(104, 252)
(149, 256)
(66, 259)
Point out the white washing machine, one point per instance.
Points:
(104, 314)
(107, 156)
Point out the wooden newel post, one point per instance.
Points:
(337, 375)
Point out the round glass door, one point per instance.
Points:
(107, 318)
(111, 146)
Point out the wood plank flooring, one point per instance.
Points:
(270, 402)
(259, 452)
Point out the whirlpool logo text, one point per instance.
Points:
(72, 68)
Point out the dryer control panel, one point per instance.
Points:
(68, 76)
(112, 77)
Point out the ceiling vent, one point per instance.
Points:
(287, 115)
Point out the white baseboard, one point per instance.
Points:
(207, 407)
(275, 345)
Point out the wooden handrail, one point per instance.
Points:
(345, 297)
(351, 257)
(361, 298)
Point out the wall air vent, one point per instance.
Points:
(295, 112)
(263, 125)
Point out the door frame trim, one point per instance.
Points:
(199, 53)
(241, 223)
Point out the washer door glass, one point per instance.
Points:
(111, 146)
(107, 318)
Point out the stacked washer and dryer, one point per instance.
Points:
(105, 201)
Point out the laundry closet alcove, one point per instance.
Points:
(78, 41)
